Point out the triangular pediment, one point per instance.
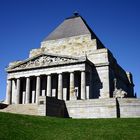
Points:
(44, 60)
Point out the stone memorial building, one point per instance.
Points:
(71, 73)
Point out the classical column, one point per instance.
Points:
(33, 97)
(18, 91)
(13, 91)
(9, 91)
(23, 97)
(72, 92)
(27, 90)
(37, 88)
(83, 85)
(60, 86)
(49, 85)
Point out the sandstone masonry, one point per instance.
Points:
(73, 75)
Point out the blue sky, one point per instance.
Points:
(25, 23)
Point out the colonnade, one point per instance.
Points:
(15, 91)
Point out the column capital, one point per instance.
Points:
(82, 70)
(59, 73)
(27, 76)
(37, 75)
(71, 71)
(49, 74)
(18, 78)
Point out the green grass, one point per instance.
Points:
(22, 127)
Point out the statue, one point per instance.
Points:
(118, 93)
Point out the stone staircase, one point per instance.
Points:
(29, 109)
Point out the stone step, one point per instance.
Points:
(29, 109)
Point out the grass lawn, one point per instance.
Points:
(23, 127)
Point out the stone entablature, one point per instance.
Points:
(50, 70)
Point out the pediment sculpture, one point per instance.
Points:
(43, 60)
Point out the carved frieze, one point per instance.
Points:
(44, 60)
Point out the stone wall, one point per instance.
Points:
(98, 57)
(42, 105)
(129, 107)
(100, 76)
(124, 80)
(94, 108)
(77, 45)
(51, 107)
(103, 74)
(104, 108)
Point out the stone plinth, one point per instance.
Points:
(129, 107)
(94, 108)
(49, 106)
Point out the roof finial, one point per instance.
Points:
(76, 13)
